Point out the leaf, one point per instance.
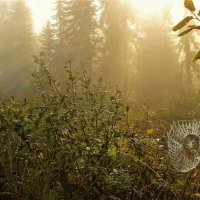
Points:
(197, 27)
(88, 81)
(151, 158)
(197, 56)
(188, 30)
(189, 4)
(185, 32)
(182, 23)
(191, 26)
(180, 182)
(149, 132)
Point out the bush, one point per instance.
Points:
(80, 142)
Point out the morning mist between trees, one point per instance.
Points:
(86, 104)
(109, 40)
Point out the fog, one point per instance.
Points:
(99, 99)
(133, 49)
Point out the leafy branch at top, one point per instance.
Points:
(195, 15)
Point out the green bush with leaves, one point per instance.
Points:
(59, 141)
(81, 141)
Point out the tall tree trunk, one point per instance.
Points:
(188, 64)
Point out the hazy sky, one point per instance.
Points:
(42, 10)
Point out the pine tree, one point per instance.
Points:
(48, 43)
(3, 38)
(75, 33)
(60, 38)
(186, 49)
(118, 27)
(20, 48)
(82, 31)
(158, 69)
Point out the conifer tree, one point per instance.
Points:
(159, 73)
(82, 30)
(20, 48)
(48, 43)
(118, 27)
(3, 38)
(75, 32)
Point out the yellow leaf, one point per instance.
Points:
(189, 5)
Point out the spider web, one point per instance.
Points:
(179, 137)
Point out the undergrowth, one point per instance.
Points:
(82, 142)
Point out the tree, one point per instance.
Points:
(20, 48)
(183, 23)
(188, 43)
(158, 70)
(75, 34)
(118, 26)
(3, 36)
(60, 37)
(81, 31)
(187, 46)
(48, 43)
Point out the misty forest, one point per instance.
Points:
(87, 103)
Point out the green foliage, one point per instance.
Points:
(80, 142)
(77, 139)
